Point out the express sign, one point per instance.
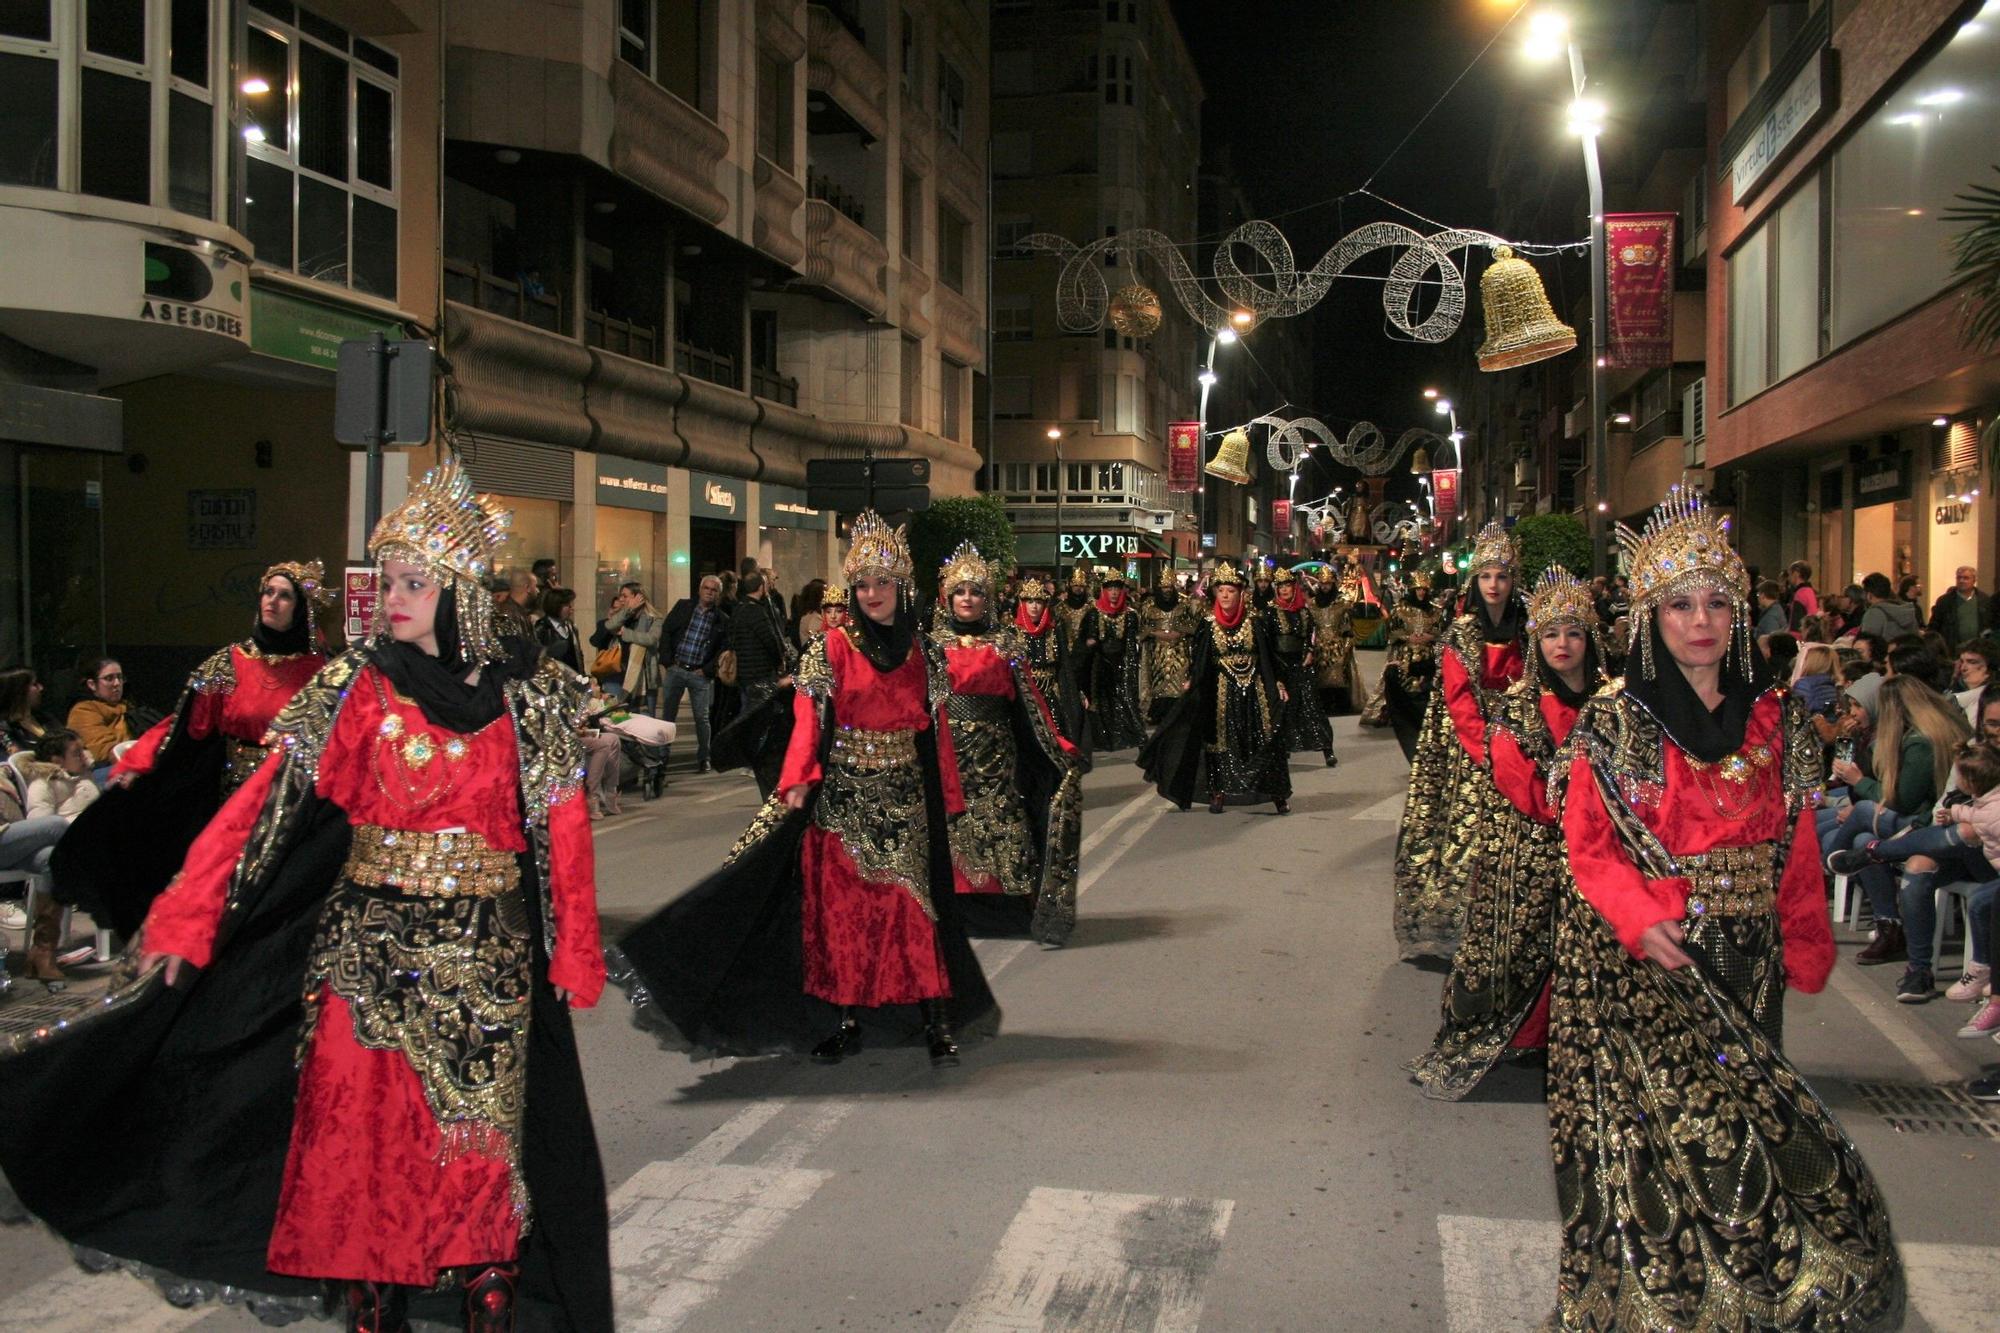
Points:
(1091, 545)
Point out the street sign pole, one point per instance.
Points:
(371, 503)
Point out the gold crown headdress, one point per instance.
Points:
(1167, 580)
(450, 531)
(1421, 579)
(309, 577)
(1684, 546)
(1225, 574)
(878, 549)
(965, 565)
(1492, 548)
(831, 596)
(1281, 575)
(1078, 577)
(1107, 577)
(1559, 598)
(1032, 589)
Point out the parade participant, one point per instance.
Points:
(1495, 997)
(1044, 651)
(1223, 735)
(835, 908)
(1070, 612)
(1266, 590)
(833, 613)
(1014, 853)
(1410, 672)
(1481, 656)
(122, 851)
(1167, 622)
(1305, 724)
(364, 1073)
(1700, 1181)
(1107, 667)
(1332, 616)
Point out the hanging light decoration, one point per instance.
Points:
(1420, 462)
(1135, 311)
(1232, 458)
(1521, 327)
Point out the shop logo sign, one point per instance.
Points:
(1954, 513)
(720, 496)
(1091, 545)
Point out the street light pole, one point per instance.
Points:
(1055, 434)
(1600, 453)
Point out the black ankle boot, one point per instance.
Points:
(1330, 760)
(937, 1030)
(377, 1307)
(845, 1041)
(489, 1298)
(1215, 803)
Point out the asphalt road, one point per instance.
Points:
(1195, 1116)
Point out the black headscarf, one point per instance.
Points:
(886, 646)
(287, 642)
(1708, 735)
(438, 683)
(1509, 628)
(1324, 594)
(1076, 596)
(1166, 598)
(1593, 672)
(1263, 593)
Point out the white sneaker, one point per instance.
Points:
(1969, 986)
(1985, 1023)
(13, 916)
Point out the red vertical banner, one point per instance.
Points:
(1183, 457)
(1444, 489)
(1281, 519)
(1639, 275)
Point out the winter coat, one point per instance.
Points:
(102, 726)
(54, 790)
(1889, 619)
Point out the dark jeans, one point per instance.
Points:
(1919, 899)
(1941, 843)
(701, 689)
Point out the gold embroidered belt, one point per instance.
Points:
(1732, 881)
(239, 762)
(872, 751)
(429, 865)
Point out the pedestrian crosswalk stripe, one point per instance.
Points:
(679, 1233)
(1086, 1259)
(1500, 1276)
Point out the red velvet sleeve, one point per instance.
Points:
(802, 754)
(1802, 910)
(1461, 699)
(1605, 872)
(578, 965)
(954, 791)
(1519, 778)
(184, 918)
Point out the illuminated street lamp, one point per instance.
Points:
(1055, 438)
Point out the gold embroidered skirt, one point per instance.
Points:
(1702, 1184)
(1447, 822)
(992, 842)
(1519, 874)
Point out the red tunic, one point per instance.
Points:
(979, 668)
(866, 942)
(1687, 823)
(365, 1193)
(1499, 667)
(264, 685)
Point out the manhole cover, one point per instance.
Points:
(21, 1019)
(1925, 1108)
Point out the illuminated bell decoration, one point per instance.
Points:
(1521, 328)
(1135, 311)
(1420, 461)
(1232, 458)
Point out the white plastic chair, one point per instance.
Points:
(1961, 890)
(40, 883)
(1848, 900)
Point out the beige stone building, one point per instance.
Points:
(1096, 130)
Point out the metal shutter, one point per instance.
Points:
(510, 467)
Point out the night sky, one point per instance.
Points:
(1312, 96)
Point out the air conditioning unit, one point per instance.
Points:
(1524, 472)
(1694, 423)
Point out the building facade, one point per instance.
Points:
(1096, 130)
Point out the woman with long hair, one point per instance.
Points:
(167, 787)
(1481, 656)
(1014, 852)
(365, 1074)
(836, 908)
(1917, 735)
(1495, 996)
(22, 721)
(1699, 1181)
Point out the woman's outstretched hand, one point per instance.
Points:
(795, 795)
(1661, 942)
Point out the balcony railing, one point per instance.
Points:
(778, 388)
(483, 289)
(1661, 427)
(823, 187)
(715, 367)
(638, 341)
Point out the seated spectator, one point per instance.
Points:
(25, 844)
(21, 719)
(1975, 666)
(1874, 650)
(1782, 651)
(102, 715)
(1813, 679)
(59, 777)
(1911, 656)
(1917, 734)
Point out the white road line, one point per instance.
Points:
(1912, 1040)
(1389, 810)
(731, 1134)
(1500, 1276)
(605, 830)
(1077, 1259)
(678, 1233)
(801, 1139)
(74, 1301)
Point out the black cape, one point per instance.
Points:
(1173, 759)
(156, 1128)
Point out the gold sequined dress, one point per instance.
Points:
(1333, 656)
(1163, 661)
(1701, 1182)
(1438, 847)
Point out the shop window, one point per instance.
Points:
(626, 540)
(774, 109)
(321, 186)
(951, 248)
(1899, 171)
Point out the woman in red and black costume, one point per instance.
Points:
(122, 850)
(360, 1069)
(1014, 851)
(1047, 657)
(1479, 658)
(1701, 1183)
(1107, 667)
(833, 921)
(1496, 996)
